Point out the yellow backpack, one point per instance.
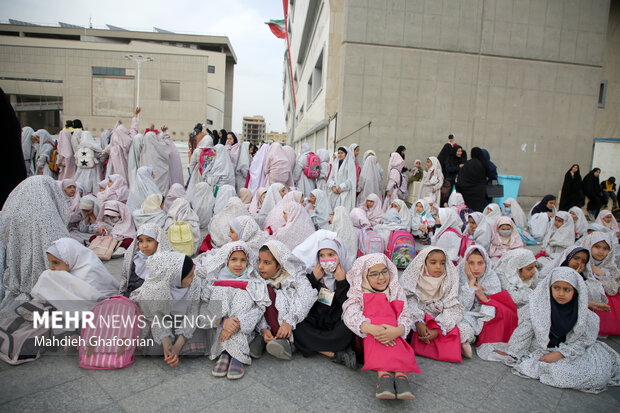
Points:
(181, 237)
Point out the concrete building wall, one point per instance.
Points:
(99, 101)
(607, 118)
(499, 74)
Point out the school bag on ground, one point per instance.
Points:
(114, 318)
(18, 335)
(313, 166)
(103, 246)
(85, 158)
(370, 242)
(526, 237)
(401, 248)
(181, 238)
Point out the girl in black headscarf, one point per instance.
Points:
(454, 163)
(592, 189)
(223, 136)
(472, 180)
(572, 193)
(401, 151)
(544, 205)
(341, 157)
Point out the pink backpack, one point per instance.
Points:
(466, 242)
(313, 166)
(114, 318)
(369, 242)
(401, 248)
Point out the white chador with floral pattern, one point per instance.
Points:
(588, 365)
(446, 310)
(246, 305)
(476, 313)
(507, 270)
(294, 294)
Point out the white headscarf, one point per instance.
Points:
(180, 210)
(133, 158)
(581, 226)
(224, 193)
(219, 227)
(447, 219)
(322, 208)
(221, 170)
(150, 212)
(562, 237)
(370, 179)
(343, 227)
(492, 216)
(156, 154)
(249, 232)
(271, 200)
(297, 228)
(176, 191)
(508, 266)
(257, 177)
(482, 233)
(143, 186)
(516, 212)
(202, 203)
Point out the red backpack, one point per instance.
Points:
(206, 155)
(466, 242)
(401, 248)
(313, 166)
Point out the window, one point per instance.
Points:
(108, 71)
(170, 90)
(602, 94)
(309, 93)
(317, 76)
(209, 122)
(211, 69)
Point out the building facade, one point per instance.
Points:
(52, 74)
(254, 128)
(523, 79)
(276, 137)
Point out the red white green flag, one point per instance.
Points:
(278, 28)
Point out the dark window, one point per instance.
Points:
(602, 94)
(211, 69)
(108, 71)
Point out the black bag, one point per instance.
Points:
(495, 190)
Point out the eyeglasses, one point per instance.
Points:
(385, 273)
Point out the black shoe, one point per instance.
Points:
(257, 347)
(346, 358)
(403, 390)
(385, 387)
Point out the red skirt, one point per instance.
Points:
(610, 322)
(443, 348)
(500, 328)
(377, 356)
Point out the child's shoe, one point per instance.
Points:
(385, 387)
(346, 358)
(280, 348)
(257, 347)
(403, 389)
(221, 366)
(236, 369)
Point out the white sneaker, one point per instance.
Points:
(120, 252)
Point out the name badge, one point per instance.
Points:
(325, 296)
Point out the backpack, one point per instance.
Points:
(401, 248)
(370, 242)
(466, 242)
(103, 246)
(206, 156)
(527, 238)
(114, 318)
(18, 335)
(313, 166)
(53, 159)
(181, 237)
(85, 158)
(402, 187)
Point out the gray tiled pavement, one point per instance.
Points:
(56, 383)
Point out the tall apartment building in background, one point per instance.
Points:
(254, 128)
(276, 137)
(534, 82)
(52, 74)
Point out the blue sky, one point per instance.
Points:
(258, 74)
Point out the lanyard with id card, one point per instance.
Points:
(325, 296)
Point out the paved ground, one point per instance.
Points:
(56, 383)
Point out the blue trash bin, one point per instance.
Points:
(511, 187)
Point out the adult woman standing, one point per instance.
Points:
(592, 189)
(454, 163)
(472, 180)
(572, 192)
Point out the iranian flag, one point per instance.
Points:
(278, 28)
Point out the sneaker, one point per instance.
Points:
(425, 240)
(403, 390)
(280, 348)
(236, 370)
(466, 350)
(346, 358)
(221, 366)
(385, 387)
(257, 347)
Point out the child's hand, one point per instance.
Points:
(171, 359)
(178, 345)
(423, 332)
(389, 334)
(339, 274)
(284, 331)
(225, 335)
(267, 336)
(318, 272)
(480, 294)
(599, 306)
(433, 334)
(231, 325)
(596, 270)
(551, 357)
(501, 353)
